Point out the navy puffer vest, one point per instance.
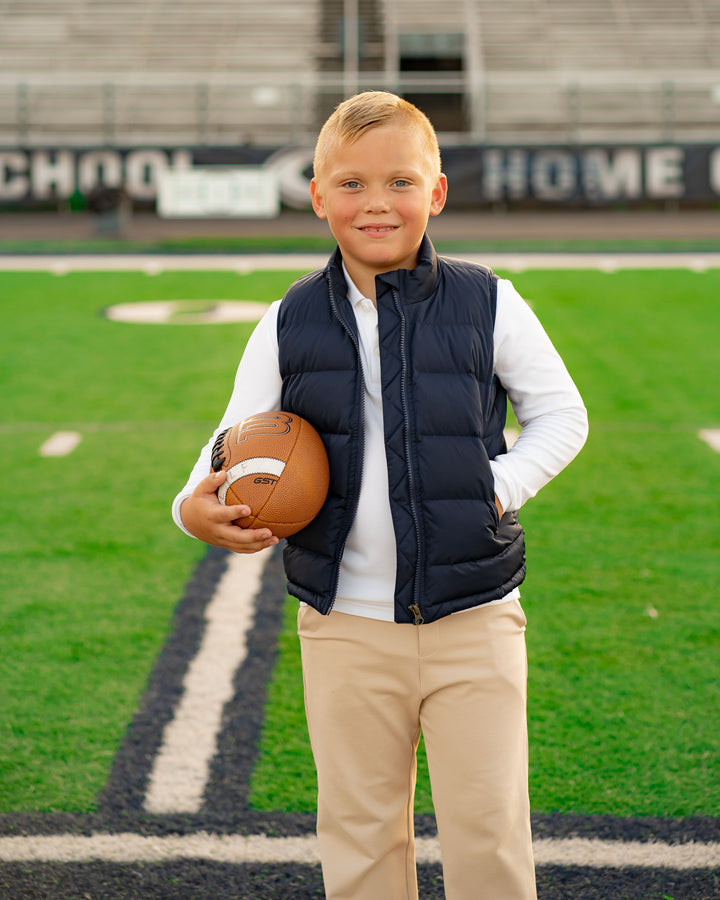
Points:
(444, 414)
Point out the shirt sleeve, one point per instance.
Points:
(543, 396)
(257, 389)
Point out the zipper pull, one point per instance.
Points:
(415, 610)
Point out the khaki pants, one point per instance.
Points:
(371, 687)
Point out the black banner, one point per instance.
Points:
(478, 176)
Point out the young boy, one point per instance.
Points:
(409, 620)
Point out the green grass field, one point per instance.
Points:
(623, 547)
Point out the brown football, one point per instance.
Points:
(277, 465)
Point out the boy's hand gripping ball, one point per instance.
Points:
(277, 465)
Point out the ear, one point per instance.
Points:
(318, 203)
(438, 196)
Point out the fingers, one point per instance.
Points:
(250, 540)
(209, 520)
(210, 483)
(206, 493)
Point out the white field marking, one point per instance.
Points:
(515, 262)
(154, 265)
(187, 312)
(181, 768)
(102, 427)
(604, 262)
(60, 444)
(618, 855)
(237, 849)
(711, 436)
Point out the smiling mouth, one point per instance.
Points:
(378, 229)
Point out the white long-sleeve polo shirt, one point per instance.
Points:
(543, 396)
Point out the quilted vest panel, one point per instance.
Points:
(444, 413)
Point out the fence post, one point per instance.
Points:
(574, 110)
(108, 112)
(667, 111)
(202, 104)
(297, 107)
(23, 115)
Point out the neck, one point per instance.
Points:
(364, 281)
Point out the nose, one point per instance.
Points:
(376, 200)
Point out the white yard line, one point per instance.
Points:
(60, 444)
(238, 849)
(514, 262)
(181, 768)
(153, 265)
(711, 436)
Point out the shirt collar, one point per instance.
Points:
(415, 285)
(353, 293)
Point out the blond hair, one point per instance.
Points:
(373, 109)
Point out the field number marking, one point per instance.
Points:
(187, 312)
(60, 444)
(711, 436)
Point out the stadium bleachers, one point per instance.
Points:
(156, 35)
(228, 71)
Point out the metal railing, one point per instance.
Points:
(220, 109)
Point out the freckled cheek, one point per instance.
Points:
(343, 213)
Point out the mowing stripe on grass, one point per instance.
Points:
(238, 849)
(181, 768)
(60, 444)
(711, 436)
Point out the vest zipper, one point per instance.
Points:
(361, 433)
(414, 607)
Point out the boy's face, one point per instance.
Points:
(377, 195)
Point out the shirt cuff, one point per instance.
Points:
(177, 517)
(502, 491)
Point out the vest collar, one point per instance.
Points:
(413, 285)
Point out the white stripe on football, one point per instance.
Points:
(257, 465)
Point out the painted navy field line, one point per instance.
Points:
(61, 443)
(243, 849)
(181, 768)
(60, 264)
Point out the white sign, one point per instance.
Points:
(238, 191)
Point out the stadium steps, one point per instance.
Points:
(178, 70)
